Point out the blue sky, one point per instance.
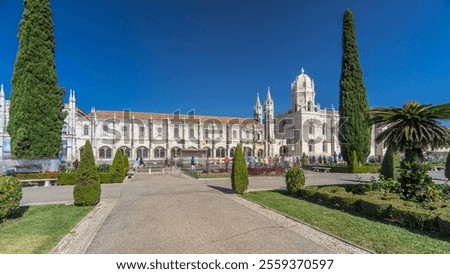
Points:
(214, 56)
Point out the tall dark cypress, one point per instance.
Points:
(354, 126)
(36, 113)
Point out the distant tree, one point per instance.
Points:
(447, 166)
(116, 172)
(87, 190)
(354, 126)
(239, 173)
(36, 113)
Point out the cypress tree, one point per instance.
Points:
(447, 166)
(239, 173)
(354, 126)
(36, 113)
(126, 164)
(390, 164)
(87, 189)
(116, 171)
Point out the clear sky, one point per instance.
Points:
(214, 56)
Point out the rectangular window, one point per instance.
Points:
(191, 132)
(105, 130)
(176, 131)
(125, 131)
(141, 132)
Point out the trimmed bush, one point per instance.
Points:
(67, 178)
(239, 174)
(10, 195)
(104, 177)
(414, 217)
(87, 191)
(444, 223)
(390, 164)
(295, 179)
(104, 168)
(116, 172)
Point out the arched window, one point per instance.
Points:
(324, 146)
(208, 152)
(105, 153)
(85, 130)
(248, 151)
(309, 106)
(159, 152)
(232, 151)
(220, 152)
(175, 152)
(260, 153)
(142, 152)
(311, 129)
(283, 150)
(126, 150)
(324, 129)
(311, 145)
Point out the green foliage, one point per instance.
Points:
(354, 126)
(116, 172)
(412, 128)
(387, 186)
(104, 168)
(354, 163)
(105, 177)
(295, 179)
(391, 162)
(67, 178)
(447, 166)
(126, 164)
(36, 113)
(239, 174)
(10, 195)
(416, 185)
(87, 191)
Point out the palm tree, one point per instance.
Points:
(412, 128)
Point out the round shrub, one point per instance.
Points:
(87, 195)
(295, 179)
(10, 195)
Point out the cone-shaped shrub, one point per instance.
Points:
(10, 195)
(116, 172)
(87, 189)
(126, 164)
(239, 174)
(295, 179)
(447, 166)
(390, 165)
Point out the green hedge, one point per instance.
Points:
(67, 178)
(10, 195)
(383, 206)
(105, 177)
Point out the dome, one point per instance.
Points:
(303, 83)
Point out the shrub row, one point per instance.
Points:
(387, 207)
(65, 178)
(31, 176)
(368, 168)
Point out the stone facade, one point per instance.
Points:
(306, 128)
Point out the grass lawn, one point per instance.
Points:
(376, 236)
(37, 229)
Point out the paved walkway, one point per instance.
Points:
(177, 214)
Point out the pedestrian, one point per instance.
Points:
(136, 165)
(226, 161)
(75, 164)
(193, 163)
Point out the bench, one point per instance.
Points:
(39, 182)
(321, 169)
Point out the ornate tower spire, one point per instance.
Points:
(268, 98)
(257, 110)
(2, 91)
